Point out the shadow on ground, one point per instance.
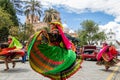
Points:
(110, 71)
(16, 70)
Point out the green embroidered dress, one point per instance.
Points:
(52, 61)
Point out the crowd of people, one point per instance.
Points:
(52, 54)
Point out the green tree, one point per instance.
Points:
(23, 32)
(82, 36)
(33, 8)
(5, 19)
(100, 36)
(9, 8)
(14, 31)
(4, 32)
(51, 14)
(17, 32)
(90, 33)
(28, 31)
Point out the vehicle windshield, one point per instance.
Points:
(88, 52)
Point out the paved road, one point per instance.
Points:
(116, 74)
(89, 71)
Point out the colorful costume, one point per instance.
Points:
(13, 50)
(107, 57)
(51, 55)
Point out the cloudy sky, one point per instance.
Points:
(104, 12)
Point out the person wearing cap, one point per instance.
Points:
(51, 55)
(106, 56)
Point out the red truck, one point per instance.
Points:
(89, 52)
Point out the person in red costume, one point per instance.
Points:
(13, 51)
(106, 56)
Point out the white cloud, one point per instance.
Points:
(71, 31)
(115, 27)
(67, 28)
(65, 25)
(117, 19)
(110, 7)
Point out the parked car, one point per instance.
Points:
(89, 52)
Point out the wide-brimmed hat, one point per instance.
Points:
(9, 37)
(57, 23)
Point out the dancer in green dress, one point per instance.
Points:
(50, 54)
